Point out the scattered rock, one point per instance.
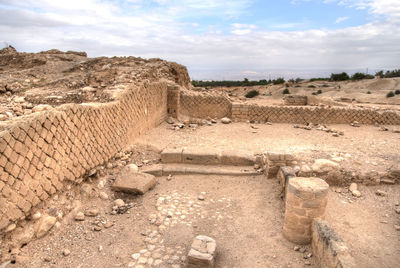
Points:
(108, 224)
(10, 228)
(201, 197)
(66, 252)
(79, 216)
(36, 216)
(296, 248)
(226, 120)
(353, 187)
(387, 181)
(132, 168)
(119, 202)
(45, 225)
(133, 182)
(92, 212)
(103, 195)
(41, 108)
(356, 193)
(170, 120)
(380, 193)
(86, 191)
(324, 165)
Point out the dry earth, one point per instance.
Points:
(363, 93)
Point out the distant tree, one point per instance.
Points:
(286, 91)
(380, 74)
(360, 76)
(340, 77)
(278, 81)
(394, 73)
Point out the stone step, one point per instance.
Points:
(201, 156)
(175, 169)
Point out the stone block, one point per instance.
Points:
(202, 252)
(129, 181)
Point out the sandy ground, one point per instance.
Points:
(366, 147)
(244, 215)
(367, 91)
(367, 225)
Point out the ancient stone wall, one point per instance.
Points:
(39, 153)
(328, 247)
(295, 100)
(203, 105)
(316, 115)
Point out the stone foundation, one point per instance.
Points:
(328, 248)
(274, 161)
(295, 100)
(306, 199)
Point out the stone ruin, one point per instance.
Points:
(43, 150)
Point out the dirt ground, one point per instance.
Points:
(367, 225)
(363, 148)
(364, 92)
(244, 215)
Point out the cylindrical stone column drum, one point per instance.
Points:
(306, 199)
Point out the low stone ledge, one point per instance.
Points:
(207, 157)
(328, 248)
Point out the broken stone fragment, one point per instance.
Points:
(45, 225)
(133, 182)
(92, 212)
(119, 202)
(324, 165)
(226, 120)
(79, 216)
(202, 252)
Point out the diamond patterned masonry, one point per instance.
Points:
(41, 152)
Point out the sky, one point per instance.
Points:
(216, 39)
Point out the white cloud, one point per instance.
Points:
(102, 28)
(341, 19)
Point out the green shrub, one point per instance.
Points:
(394, 73)
(297, 86)
(390, 94)
(314, 93)
(319, 91)
(319, 79)
(252, 94)
(359, 76)
(278, 81)
(286, 91)
(397, 92)
(368, 92)
(340, 77)
(380, 74)
(325, 85)
(311, 86)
